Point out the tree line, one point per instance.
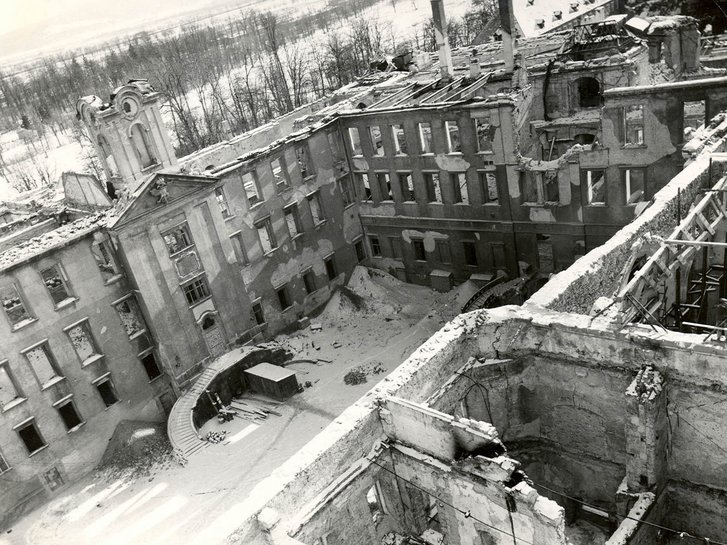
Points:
(224, 77)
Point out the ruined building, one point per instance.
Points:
(505, 162)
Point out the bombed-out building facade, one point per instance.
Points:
(583, 151)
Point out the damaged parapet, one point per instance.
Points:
(647, 431)
(465, 461)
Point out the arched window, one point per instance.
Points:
(142, 145)
(208, 322)
(589, 92)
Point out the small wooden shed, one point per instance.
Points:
(272, 380)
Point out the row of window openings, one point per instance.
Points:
(29, 432)
(631, 121)
(442, 251)
(266, 233)
(56, 283)
(283, 293)
(483, 131)
(542, 187)
(46, 369)
(432, 186)
(281, 180)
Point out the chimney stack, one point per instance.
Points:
(440, 31)
(507, 32)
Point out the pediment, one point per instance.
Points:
(159, 192)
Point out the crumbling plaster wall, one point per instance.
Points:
(262, 273)
(76, 453)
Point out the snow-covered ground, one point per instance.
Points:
(379, 326)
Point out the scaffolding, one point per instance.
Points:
(683, 285)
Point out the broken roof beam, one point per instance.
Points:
(394, 98)
(440, 93)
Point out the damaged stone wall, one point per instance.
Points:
(72, 455)
(562, 418)
(458, 464)
(598, 274)
(452, 223)
(316, 241)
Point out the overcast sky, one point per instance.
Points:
(27, 25)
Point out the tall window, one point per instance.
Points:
(309, 281)
(425, 138)
(105, 260)
(538, 187)
(399, 137)
(334, 143)
(292, 220)
(280, 176)
(252, 191)
(140, 139)
(633, 125)
(488, 187)
(362, 179)
(634, 184)
(442, 251)
(196, 290)
(454, 144)
(257, 312)
(177, 239)
(283, 296)
(596, 186)
(56, 284)
(406, 183)
(83, 343)
(266, 235)
(239, 248)
(222, 202)
(330, 267)
(305, 164)
(9, 389)
(355, 139)
(130, 316)
(395, 244)
(384, 182)
(375, 245)
(106, 390)
(14, 306)
(43, 364)
(316, 208)
(434, 190)
(485, 134)
(470, 253)
(360, 251)
(417, 245)
(31, 437)
(459, 187)
(345, 186)
(149, 362)
(68, 413)
(377, 142)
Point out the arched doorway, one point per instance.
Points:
(213, 334)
